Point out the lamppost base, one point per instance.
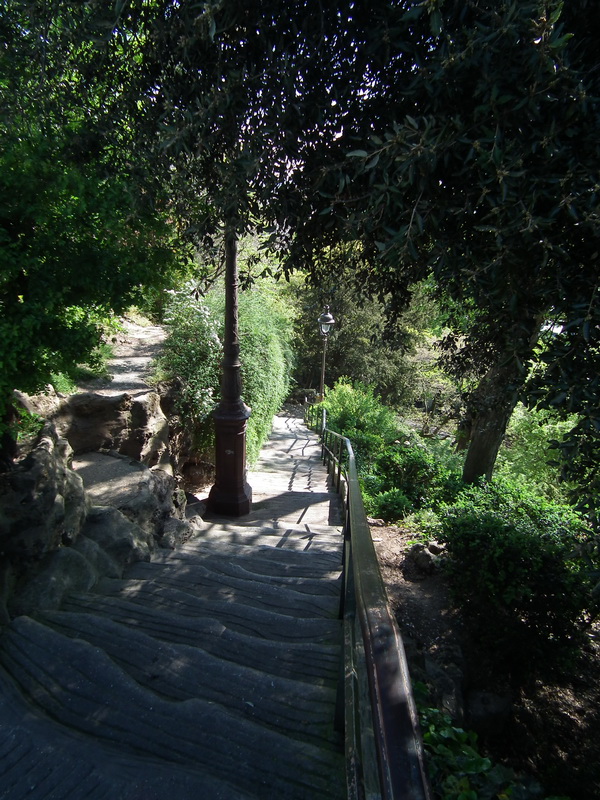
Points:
(231, 496)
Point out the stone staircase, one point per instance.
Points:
(209, 672)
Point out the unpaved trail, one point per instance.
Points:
(135, 348)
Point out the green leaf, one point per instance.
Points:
(413, 13)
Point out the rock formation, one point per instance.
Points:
(94, 493)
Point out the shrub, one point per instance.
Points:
(457, 768)
(527, 452)
(514, 569)
(193, 353)
(266, 364)
(409, 468)
(419, 473)
(355, 411)
(392, 505)
(366, 447)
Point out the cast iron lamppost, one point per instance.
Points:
(231, 495)
(326, 323)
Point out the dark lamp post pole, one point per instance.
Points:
(231, 495)
(326, 323)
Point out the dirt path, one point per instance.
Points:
(135, 348)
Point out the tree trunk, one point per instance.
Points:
(493, 402)
(486, 437)
(490, 411)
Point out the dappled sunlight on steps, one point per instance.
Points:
(209, 672)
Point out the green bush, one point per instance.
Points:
(409, 468)
(193, 354)
(457, 768)
(266, 359)
(392, 505)
(527, 453)
(419, 473)
(355, 411)
(515, 570)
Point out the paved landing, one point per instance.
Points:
(209, 672)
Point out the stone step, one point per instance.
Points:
(84, 691)
(209, 585)
(314, 509)
(260, 557)
(283, 538)
(278, 624)
(181, 672)
(253, 568)
(40, 760)
(312, 662)
(262, 561)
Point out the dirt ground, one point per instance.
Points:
(135, 348)
(550, 730)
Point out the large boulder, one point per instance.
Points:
(108, 543)
(145, 496)
(42, 501)
(134, 426)
(95, 493)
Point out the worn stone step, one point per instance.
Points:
(82, 689)
(43, 760)
(263, 562)
(315, 509)
(180, 672)
(276, 625)
(282, 549)
(253, 566)
(208, 585)
(288, 537)
(308, 662)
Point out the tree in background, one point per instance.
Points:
(78, 238)
(363, 345)
(475, 156)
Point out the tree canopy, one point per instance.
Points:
(453, 138)
(475, 158)
(79, 238)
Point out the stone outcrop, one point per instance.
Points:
(42, 501)
(95, 493)
(134, 426)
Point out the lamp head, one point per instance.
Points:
(326, 322)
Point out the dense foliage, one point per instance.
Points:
(474, 155)
(517, 567)
(457, 139)
(70, 254)
(523, 567)
(457, 766)
(363, 344)
(193, 352)
(79, 237)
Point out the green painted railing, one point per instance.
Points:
(376, 709)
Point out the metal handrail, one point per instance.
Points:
(376, 708)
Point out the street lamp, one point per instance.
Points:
(326, 323)
(230, 495)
